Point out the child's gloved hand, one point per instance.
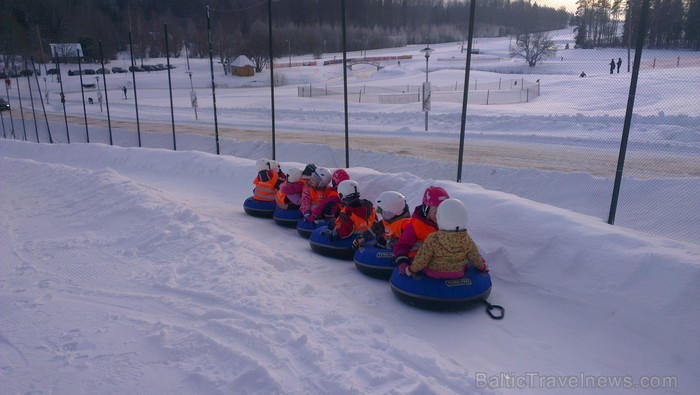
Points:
(402, 259)
(358, 242)
(405, 270)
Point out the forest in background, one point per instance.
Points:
(671, 23)
(241, 26)
(314, 26)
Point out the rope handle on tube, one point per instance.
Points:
(498, 313)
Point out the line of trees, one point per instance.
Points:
(240, 26)
(672, 23)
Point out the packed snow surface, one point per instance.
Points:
(135, 270)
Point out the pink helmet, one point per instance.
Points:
(339, 176)
(433, 196)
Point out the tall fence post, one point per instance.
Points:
(213, 85)
(170, 85)
(43, 107)
(21, 111)
(104, 83)
(465, 98)
(133, 79)
(272, 75)
(31, 100)
(630, 107)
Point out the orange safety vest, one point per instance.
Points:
(359, 224)
(422, 230)
(265, 190)
(280, 199)
(317, 195)
(392, 231)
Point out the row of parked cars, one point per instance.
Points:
(21, 73)
(115, 69)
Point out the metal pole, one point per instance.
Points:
(7, 90)
(63, 96)
(193, 94)
(170, 85)
(133, 78)
(213, 86)
(82, 93)
(48, 128)
(2, 118)
(470, 39)
(630, 107)
(31, 100)
(21, 111)
(427, 55)
(104, 81)
(272, 73)
(99, 90)
(345, 86)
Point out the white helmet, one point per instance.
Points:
(275, 166)
(321, 177)
(348, 189)
(391, 202)
(293, 174)
(263, 164)
(452, 215)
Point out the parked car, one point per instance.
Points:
(103, 71)
(73, 72)
(51, 71)
(117, 69)
(26, 73)
(89, 71)
(4, 105)
(135, 69)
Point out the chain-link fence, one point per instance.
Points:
(516, 128)
(502, 91)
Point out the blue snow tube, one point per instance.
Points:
(286, 218)
(442, 295)
(337, 248)
(306, 228)
(259, 208)
(374, 261)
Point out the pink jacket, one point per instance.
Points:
(293, 191)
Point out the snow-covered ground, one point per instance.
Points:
(135, 270)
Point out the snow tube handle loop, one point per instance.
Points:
(500, 311)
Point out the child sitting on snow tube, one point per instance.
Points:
(423, 223)
(374, 255)
(288, 199)
(356, 216)
(289, 193)
(315, 191)
(446, 253)
(268, 179)
(455, 274)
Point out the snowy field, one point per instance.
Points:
(135, 270)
